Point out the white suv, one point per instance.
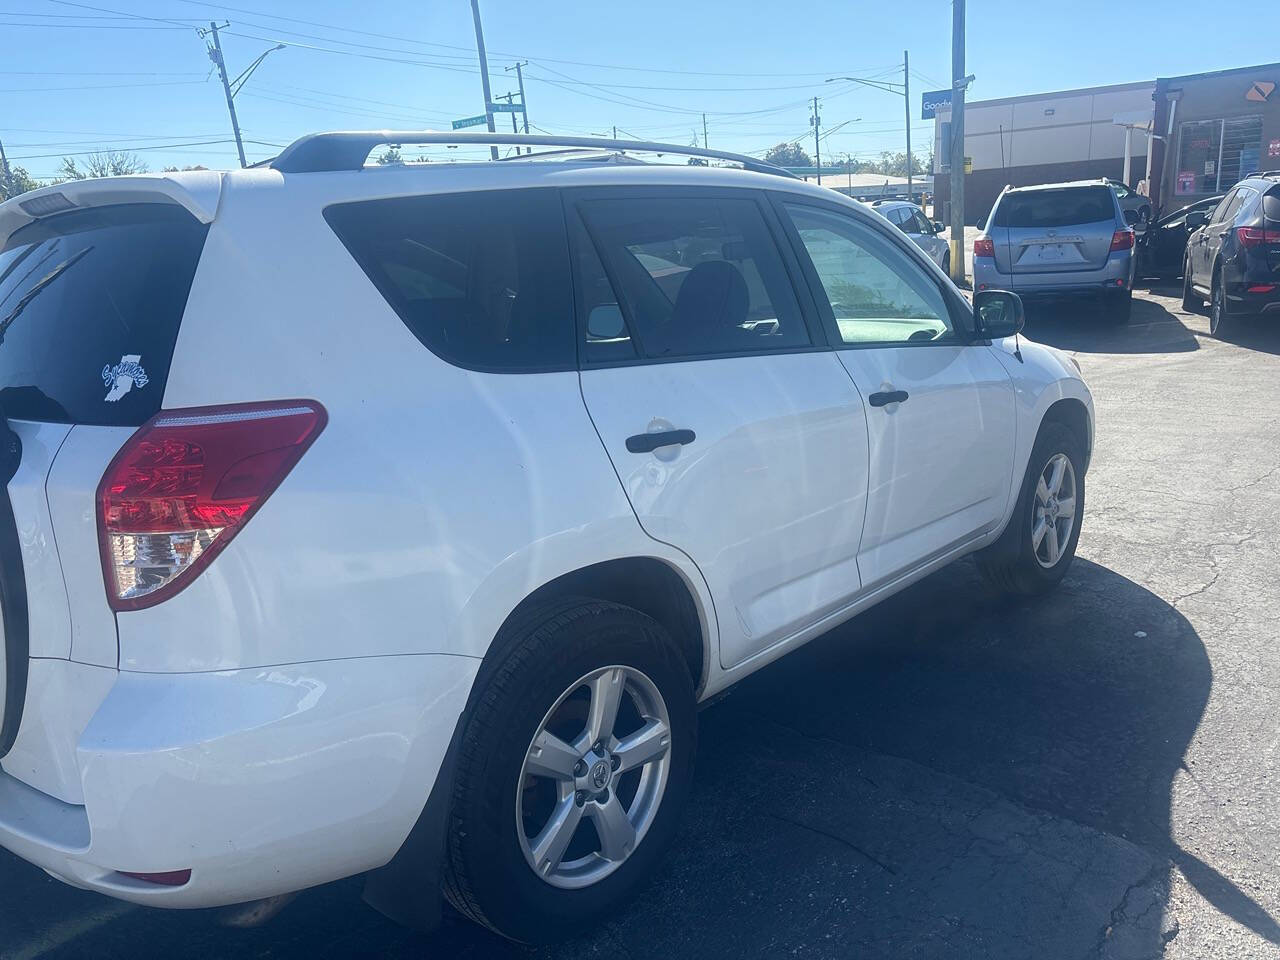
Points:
(394, 520)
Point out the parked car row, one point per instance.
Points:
(1074, 239)
(394, 519)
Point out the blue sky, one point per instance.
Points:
(94, 74)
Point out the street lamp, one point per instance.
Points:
(903, 90)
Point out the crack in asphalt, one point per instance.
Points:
(831, 836)
(1215, 564)
(1119, 915)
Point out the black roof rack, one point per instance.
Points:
(348, 150)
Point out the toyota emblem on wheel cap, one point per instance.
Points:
(600, 772)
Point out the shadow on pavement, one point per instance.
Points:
(1081, 325)
(951, 774)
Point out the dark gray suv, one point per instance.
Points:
(1056, 240)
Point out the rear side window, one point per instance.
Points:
(90, 305)
(1056, 208)
(482, 278)
(693, 277)
(1271, 205)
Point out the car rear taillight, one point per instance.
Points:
(1256, 236)
(984, 247)
(1121, 240)
(183, 486)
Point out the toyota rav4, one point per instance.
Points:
(395, 520)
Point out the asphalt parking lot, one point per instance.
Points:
(955, 774)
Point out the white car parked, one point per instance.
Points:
(394, 520)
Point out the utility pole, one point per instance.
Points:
(215, 54)
(524, 106)
(957, 140)
(484, 74)
(704, 131)
(816, 121)
(906, 102)
(6, 173)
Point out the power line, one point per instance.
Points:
(470, 51)
(159, 146)
(104, 86)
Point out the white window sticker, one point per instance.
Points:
(124, 376)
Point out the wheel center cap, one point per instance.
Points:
(600, 774)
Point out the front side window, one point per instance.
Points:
(692, 277)
(481, 278)
(874, 293)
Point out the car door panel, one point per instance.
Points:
(941, 416)
(940, 462)
(766, 493)
(768, 500)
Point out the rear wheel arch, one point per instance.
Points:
(647, 584)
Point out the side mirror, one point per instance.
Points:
(605, 322)
(1197, 219)
(1131, 217)
(998, 314)
(938, 227)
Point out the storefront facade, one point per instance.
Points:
(1214, 130)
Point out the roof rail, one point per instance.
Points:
(349, 149)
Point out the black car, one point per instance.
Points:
(1233, 257)
(1163, 245)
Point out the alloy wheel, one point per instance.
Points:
(1216, 309)
(1053, 510)
(593, 777)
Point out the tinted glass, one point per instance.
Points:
(1271, 205)
(695, 277)
(921, 225)
(480, 278)
(1056, 208)
(1220, 209)
(90, 304)
(871, 292)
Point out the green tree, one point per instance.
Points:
(22, 182)
(390, 155)
(108, 163)
(788, 155)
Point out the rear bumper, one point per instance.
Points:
(259, 781)
(1242, 301)
(1116, 274)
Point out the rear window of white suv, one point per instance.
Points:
(1056, 208)
(90, 305)
(481, 278)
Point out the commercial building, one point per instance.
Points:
(1214, 129)
(1189, 137)
(1046, 138)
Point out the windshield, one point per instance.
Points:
(90, 304)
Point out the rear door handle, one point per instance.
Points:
(648, 442)
(885, 397)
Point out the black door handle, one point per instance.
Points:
(891, 396)
(648, 442)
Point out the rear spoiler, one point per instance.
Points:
(196, 191)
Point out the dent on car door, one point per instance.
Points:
(736, 434)
(941, 414)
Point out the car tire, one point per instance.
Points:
(1191, 301)
(1220, 321)
(1019, 563)
(551, 665)
(1118, 307)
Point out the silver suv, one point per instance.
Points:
(1060, 239)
